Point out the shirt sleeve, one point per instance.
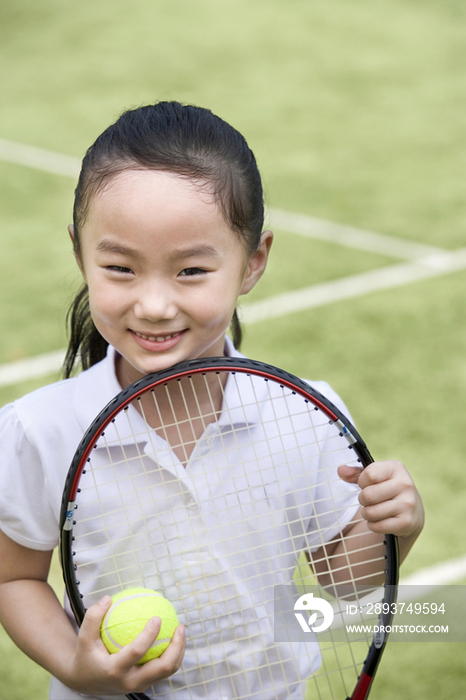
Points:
(25, 512)
(336, 500)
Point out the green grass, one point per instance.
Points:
(37, 270)
(356, 114)
(313, 262)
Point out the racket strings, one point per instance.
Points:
(328, 559)
(215, 536)
(356, 582)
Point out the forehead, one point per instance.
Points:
(157, 189)
(138, 205)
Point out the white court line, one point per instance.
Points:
(353, 286)
(32, 367)
(284, 304)
(426, 261)
(441, 574)
(301, 224)
(349, 236)
(39, 159)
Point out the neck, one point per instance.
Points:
(179, 411)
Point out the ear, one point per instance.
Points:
(76, 255)
(257, 263)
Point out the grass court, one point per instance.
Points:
(355, 112)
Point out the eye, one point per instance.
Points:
(119, 269)
(192, 271)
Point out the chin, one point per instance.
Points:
(155, 365)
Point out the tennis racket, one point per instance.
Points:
(214, 482)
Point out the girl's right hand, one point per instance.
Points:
(95, 671)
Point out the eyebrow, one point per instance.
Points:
(110, 247)
(200, 250)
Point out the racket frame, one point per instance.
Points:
(230, 365)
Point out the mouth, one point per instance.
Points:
(160, 342)
(157, 338)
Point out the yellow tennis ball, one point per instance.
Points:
(127, 616)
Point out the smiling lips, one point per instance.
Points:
(157, 338)
(155, 343)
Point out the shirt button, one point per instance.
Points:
(190, 502)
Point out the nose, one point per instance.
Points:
(155, 302)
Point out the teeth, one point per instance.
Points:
(158, 338)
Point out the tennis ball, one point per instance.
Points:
(127, 616)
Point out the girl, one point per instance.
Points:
(167, 232)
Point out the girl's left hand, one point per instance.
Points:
(390, 501)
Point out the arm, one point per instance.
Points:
(31, 613)
(389, 504)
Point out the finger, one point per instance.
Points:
(378, 493)
(377, 472)
(387, 526)
(164, 666)
(171, 659)
(90, 628)
(132, 653)
(349, 474)
(381, 511)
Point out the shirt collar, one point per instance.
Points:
(238, 387)
(98, 385)
(230, 350)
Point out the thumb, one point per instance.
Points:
(349, 474)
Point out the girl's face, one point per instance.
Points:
(164, 270)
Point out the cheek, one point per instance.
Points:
(214, 308)
(107, 303)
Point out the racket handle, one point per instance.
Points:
(137, 696)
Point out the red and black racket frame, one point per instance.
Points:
(230, 365)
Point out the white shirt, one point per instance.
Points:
(39, 435)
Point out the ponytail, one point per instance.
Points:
(85, 342)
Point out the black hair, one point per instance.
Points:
(182, 139)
